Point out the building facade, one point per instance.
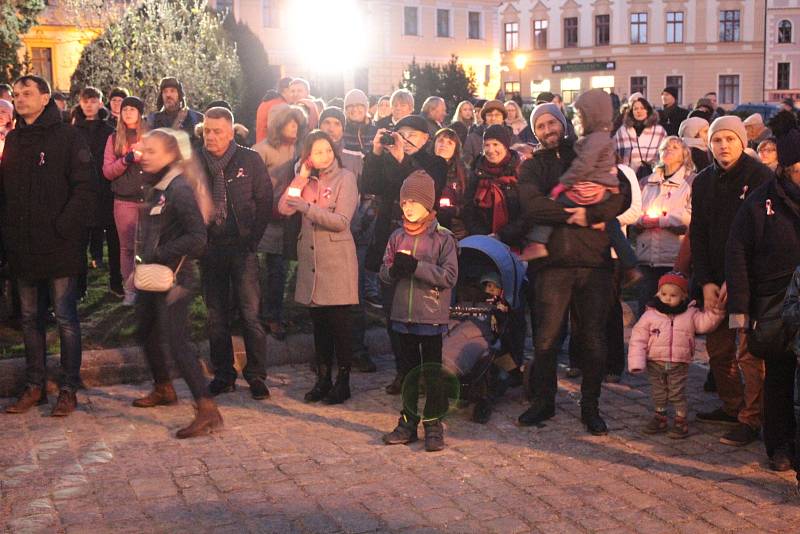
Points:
(382, 37)
(782, 65)
(635, 46)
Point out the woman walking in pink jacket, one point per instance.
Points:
(662, 343)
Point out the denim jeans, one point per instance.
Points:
(166, 315)
(589, 290)
(625, 253)
(273, 285)
(226, 269)
(34, 298)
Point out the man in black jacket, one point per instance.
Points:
(173, 111)
(242, 194)
(672, 115)
(385, 168)
(717, 193)
(577, 275)
(46, 197)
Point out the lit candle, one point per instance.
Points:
(294, 192)
(653, 212)
(444, 202)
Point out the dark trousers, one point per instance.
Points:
(425, 352)
(34, 297)
(225, 268)
(164, 317)
(94, 241)
(648, 286)
(797, 421)
(332, 335)
(779, 386)
(358, 313)
(273, 286)
(387, 296)
(590, 291)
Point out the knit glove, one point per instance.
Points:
(404, 265)
(130, 157)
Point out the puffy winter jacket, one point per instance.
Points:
(669, 199)
(423, 298)
(669, 338)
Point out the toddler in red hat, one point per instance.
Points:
(662, 343)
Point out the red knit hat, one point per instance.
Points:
(676, 279)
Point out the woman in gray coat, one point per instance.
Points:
(327, 269)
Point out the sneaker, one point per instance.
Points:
(780, 460)
(374, 301)
(657, 425)
(434, 436)
(718, 416)
(740, 436)
(679, 429)
(130, 298)
(534, 251)
(573, 372)
(405, 432)
(536, 414)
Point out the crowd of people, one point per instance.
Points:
(695, 210)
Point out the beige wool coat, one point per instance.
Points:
(327, 268)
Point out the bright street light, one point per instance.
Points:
(520, 61)
(329, 36)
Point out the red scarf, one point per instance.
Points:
(490, 195)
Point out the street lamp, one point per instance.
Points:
(519, 61)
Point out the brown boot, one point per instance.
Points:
(32, 396)
(162, 395)
(206, 420)
(66, 404)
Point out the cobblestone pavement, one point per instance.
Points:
(285, 466)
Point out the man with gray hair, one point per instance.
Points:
(434, 110)
(402, 104)
(242, 194)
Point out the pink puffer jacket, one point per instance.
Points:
(668, 338)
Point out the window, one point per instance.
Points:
(783, 76)
(475, 25)
(268, 19)
(225, 6)
(570, 32)
(729, 26)
(639, 85)
(540, 34)
(729, 89)
(511, 36)
(676, 82)
(410, 21)
(602, 30)
(674, 26)
(42, 63)
(511, 88)
(638, 28)
(784, 32)
(442, 23)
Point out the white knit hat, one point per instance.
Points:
(754, 119)
(728, 122)
(355, 97)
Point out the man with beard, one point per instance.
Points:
(173, 110)
(577, 275)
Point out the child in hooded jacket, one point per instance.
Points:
(592, 175)
(421, 263)
(662, 343)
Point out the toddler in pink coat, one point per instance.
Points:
(662, 343)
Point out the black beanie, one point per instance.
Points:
(672, 91)
(133, 102)
(415, 122)
(120, 92)
(788, 147)
(219, 104)
(419, 187)
(334, 112)
(499, 132)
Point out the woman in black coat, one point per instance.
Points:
(172, 232)
(762, 253)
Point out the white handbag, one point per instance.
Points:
(155, 277)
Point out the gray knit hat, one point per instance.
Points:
(548, 109)
(419, 187)
(356, 97)
(728, 122)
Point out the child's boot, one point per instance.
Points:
(680, 428)
(404, 432)
(534, 251)
(434, 435)
(657, 425)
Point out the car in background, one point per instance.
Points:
(766, 110)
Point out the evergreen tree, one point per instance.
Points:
(16, 18)
(449, 81)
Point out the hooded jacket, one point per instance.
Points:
(670, 118)
(424, 297)
(596, 160)
(47, 197)
(717, 195)
(96, 133)
(669, 338)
